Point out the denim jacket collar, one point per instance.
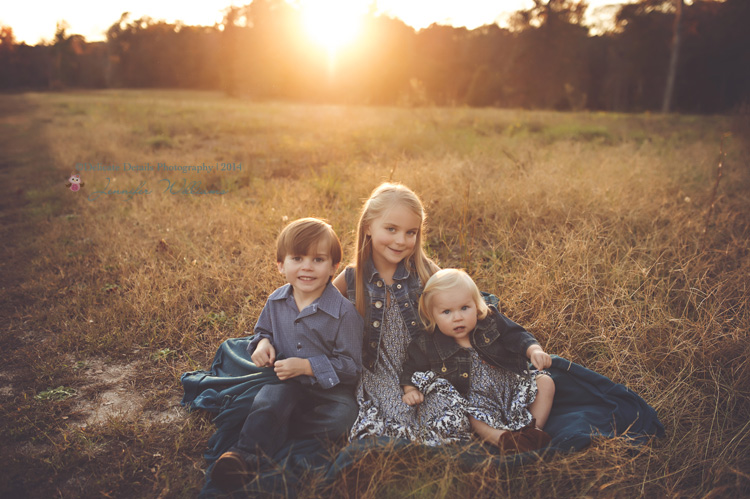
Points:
(401, 273)
(447, 346)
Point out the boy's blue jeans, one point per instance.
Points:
(292, 410)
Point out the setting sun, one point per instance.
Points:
(332, 23)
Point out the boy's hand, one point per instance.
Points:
(412, 396)
(292, 367)
(538, 357)
(264, 354)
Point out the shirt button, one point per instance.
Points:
(376, 323)
(464, 375)
(379, 284)
(378, 304)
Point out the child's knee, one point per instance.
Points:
(545, 385)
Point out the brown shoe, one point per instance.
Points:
(230, 472)
(508, 441)
(526, 439)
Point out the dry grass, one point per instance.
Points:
(592, 229)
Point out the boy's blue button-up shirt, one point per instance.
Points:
(327, 332)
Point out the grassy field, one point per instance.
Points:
(610, 237)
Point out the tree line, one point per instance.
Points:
(546, 59)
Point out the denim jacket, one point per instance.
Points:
(499, 341)
(406, 289)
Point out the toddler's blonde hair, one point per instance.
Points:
(444, 280)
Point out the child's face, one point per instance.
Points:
(455, 313)
(394, 235)
(309, 274)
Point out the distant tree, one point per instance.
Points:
(551, 61)
(442, 63)
(7, 59)
(489, 50)
(674, 57)
(639, 55)
(271, 49)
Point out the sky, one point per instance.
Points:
(33, 22)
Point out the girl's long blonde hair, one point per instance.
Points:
(383, 198)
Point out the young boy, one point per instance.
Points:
(312, 337)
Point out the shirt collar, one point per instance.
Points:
(329, 302)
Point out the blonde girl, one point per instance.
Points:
(385, 282)
(484, 355)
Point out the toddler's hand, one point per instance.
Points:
(292, 367)
(413, 396)
(264, 354)
(538, 357)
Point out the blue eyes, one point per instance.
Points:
(410, 233)
(299, 259)
(463, 309)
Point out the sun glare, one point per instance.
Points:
(332, 23)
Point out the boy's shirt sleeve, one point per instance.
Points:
(262, 329)
(344, 363)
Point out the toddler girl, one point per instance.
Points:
(483, 354)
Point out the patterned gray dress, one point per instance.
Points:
(440, 419)
(500, 397)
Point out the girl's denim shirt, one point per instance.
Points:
(406, 289)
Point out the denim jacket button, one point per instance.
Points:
(444, 369)
(406, 305)
(373, 344)
(398, 286)
(464, 375)
(486, 340)
(378, 304)
(413, 323)
(380, 284)
(376, 324)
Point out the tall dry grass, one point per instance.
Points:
(592, 230)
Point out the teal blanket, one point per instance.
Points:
(586, 404)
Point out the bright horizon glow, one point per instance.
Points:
(332, 23)
(33, 22)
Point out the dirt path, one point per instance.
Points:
(36, 434)
(25, 165)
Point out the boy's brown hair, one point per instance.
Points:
(304, 235)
